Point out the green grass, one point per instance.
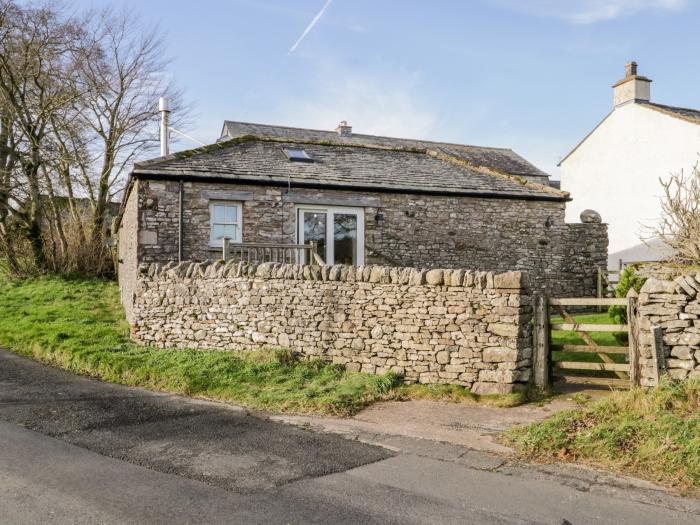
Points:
(78, 325)
(571, 338)
(652, 433)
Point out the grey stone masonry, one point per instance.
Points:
(426, 231)
(674, 305)
(429, 326)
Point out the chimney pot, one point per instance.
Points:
(632, 88)
(343, 129)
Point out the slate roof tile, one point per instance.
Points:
(353, 166)
(502, 159)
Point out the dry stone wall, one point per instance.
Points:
(429, 326)
(674, 305)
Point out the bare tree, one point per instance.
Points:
(78, 103)
(34, 44)
(123, 71)
(679, 226)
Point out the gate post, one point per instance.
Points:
(540, 341)
(225, 249)
(633, 334)
(658, 357)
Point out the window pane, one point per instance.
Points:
(315, 230)
(218, 213)
(231, 214)
(223, 230)
(225, 213)
(345, 238)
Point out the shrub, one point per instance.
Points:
(618, 314)
(679, 226)
(628, 280)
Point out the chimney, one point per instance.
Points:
(632, 88)
(343, 129)
(164, 109)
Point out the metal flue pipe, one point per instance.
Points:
(164, 109)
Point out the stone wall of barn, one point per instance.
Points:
(674, 305)
(128, 251)
(437, 326)
(423, 231)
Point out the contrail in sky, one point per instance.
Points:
(310, 26)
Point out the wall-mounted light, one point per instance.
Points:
(379, 216)
(549, 222)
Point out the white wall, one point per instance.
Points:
(616, 170)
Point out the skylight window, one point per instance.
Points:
(297, 155)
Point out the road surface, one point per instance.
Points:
(75, 450)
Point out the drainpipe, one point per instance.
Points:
(180, 221)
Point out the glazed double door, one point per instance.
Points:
(339, 233)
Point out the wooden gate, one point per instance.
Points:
(554, 359)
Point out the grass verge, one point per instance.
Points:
(651, 433)
(78, 325)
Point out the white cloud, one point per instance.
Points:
(588, 11)
(372, 104)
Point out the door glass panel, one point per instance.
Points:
(345, 238)
(315, 230)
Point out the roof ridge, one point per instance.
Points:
(368, 135)
(496, 173)
(261, 138)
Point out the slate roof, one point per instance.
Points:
(369, 167)
(501, 159)
(691, 115)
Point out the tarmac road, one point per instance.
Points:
(76, 450)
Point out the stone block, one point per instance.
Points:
(442, 357)
(682, 352)
(684, 285)
(678, 374)
(482, 388)
(510, 280)
(653, 285)
(499, 355)
(680, 363)
(353, 367)
(505, 330)
(434, 277)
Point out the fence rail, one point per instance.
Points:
(544, 366)
(576, 327)
(268, 252)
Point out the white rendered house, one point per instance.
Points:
(616, 168)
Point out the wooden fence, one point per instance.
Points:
(545, 368)
(279, 253)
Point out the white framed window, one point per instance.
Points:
(225, 220)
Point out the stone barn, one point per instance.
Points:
(359, 200)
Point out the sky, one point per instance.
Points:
(531, 75)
